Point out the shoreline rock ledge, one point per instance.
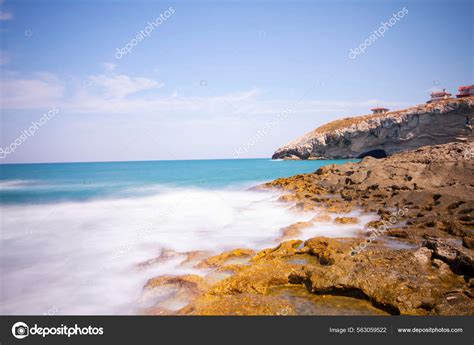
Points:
(415, 258)
(381, 135)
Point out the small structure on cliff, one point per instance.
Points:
(465, 91)
(439, 96)
(379, 110)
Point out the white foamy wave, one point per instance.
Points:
(15, 184)
(81, 257)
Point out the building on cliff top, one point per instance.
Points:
(465, 91)
(379, 110)
(439, 96)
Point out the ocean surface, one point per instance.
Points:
(72, 234)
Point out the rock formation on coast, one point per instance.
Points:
(416, 259)
(384, 134)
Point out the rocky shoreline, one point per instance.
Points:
(417, 258)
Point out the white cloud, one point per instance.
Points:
(6, 15)
(123, 94)
(109, 66)
(90, 102)
(120, 86)
(41, 90)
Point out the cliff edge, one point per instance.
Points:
(381, 135)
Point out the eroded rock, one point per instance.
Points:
(384, 134)
(294, 230)
(460, 259)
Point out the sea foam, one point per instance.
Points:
(81, 257)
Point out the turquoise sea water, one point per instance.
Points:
(39, 183)
(72, 235)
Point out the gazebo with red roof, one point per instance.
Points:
(379, 110)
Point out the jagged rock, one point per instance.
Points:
(346, 220)
(327, 249)
(285, 249)
(468, 242)
(322, 218)
(230, 260)
(398, 281)
(460, 259)
(423, 256)
(427, 188)
(257, 278)
(294, 230)
(399, 233)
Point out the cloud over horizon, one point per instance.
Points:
(111, 93)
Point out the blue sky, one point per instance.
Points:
(210, 77)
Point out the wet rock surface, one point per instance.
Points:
(166, 295)
(416, 259)
(304, 302)
(231, 261)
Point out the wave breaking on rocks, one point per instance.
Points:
(416, 262)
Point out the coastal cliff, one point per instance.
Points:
(384, 134)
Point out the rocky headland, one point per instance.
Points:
(384, 134)
(416, 258)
